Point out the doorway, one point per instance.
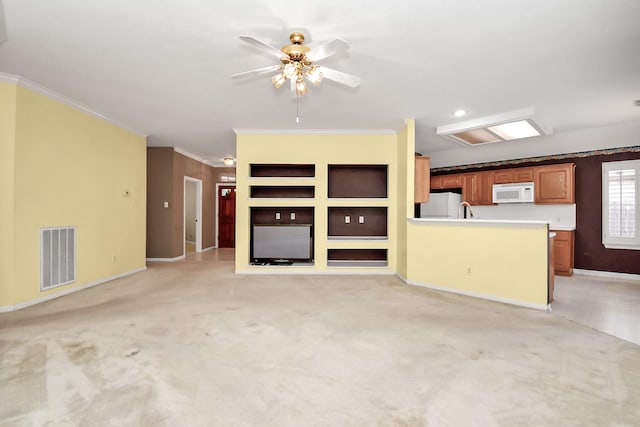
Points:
(226, 216)
(192, 214)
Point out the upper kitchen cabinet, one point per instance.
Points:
(422, 179)
(477, 188)
(554, 184)
(447, 181)
(508, 176)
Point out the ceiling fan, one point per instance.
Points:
(298, 63)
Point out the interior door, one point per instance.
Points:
(227, 217)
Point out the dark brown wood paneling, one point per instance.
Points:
(279, 192)
(273, 170)
(267, 215)
(357, 254)
(358, 181)
(375, 221)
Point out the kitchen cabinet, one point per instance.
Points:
(447, 181)
(508, 176)
(478, 188)
(563, 245)
(554, 184)
(422, 179)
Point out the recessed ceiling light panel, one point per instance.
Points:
(459, 113)
(499, 127)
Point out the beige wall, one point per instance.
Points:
(73, 169)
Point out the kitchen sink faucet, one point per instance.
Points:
(461, 209)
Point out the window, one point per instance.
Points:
(620, 195)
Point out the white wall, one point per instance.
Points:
(561, 217)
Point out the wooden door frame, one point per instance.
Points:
(198, 183)
(216, 207)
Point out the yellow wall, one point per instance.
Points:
(7, 175)
(320, 150)
(508, 263)
(406, 166)
(73, 169)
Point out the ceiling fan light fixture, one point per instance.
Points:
(301, 88)
(278, 80)
(315, 76)
(228, 161)
(290, 70)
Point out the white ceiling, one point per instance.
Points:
(163, 67)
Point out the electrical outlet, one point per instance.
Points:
(293, 216)
(467, 271)
(361, 219)
(277, 215)
(347, 219)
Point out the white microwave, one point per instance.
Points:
(519, 192)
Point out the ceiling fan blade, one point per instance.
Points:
(265, 47)
(257, 71)
(327, 49)
(3, 25)
(339, 77)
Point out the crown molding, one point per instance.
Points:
(242, 131)
(196, 157)
(35, 87)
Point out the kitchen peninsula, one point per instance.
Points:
(500, 260)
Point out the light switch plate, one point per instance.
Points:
(347, 219)
(277, 215)
(361, 219)
(165, 204)
(293, 216)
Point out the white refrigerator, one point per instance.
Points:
(441, 205)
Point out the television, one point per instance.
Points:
(281, 243)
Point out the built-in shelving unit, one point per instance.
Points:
(282, 214)
(321, 178)
(357, 215)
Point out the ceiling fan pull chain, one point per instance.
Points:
(297, 108)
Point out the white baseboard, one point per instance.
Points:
(608, 274)
(178, 258)
(401, 277)
(209, 248)
(544, 307)
(189, 241)
(25, 304)
(307, 270)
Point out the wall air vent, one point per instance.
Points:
(57, 256)
(500, 127)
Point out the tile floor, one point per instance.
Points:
(608, 305)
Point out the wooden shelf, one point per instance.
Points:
(357, 257)
(282, 170)
(358, 181)
(282, 192)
